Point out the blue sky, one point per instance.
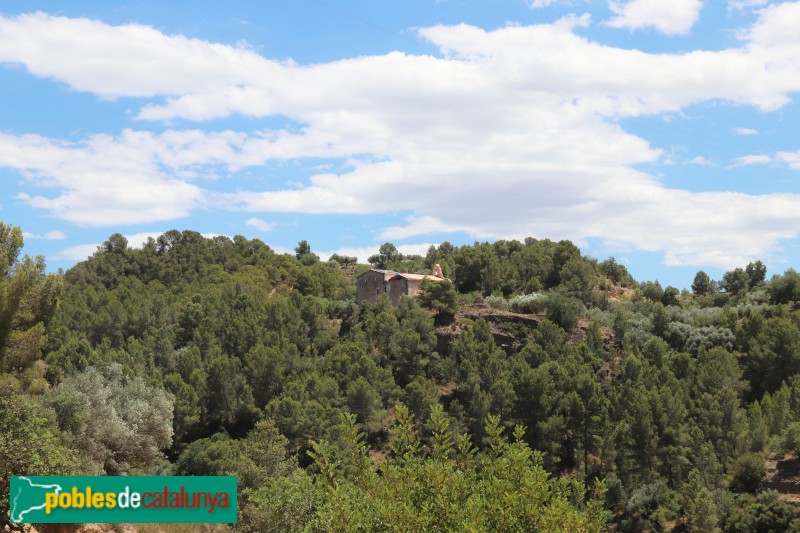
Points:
(664, 134)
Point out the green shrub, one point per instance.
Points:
(748, 472)
(528, 303)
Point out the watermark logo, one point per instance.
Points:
(129, 499)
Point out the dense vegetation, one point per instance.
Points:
(615, 405)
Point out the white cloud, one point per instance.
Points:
(55, 235)
(700, 161)
(746, 4)
(203, 80)
(745, 131)
(259, 224)
(107, 181)
(675, 17)
(76, 253)
(79, 51)
(490, 139)
(417, 226)
(751, 160)
(789, 159)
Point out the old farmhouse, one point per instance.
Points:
(373, 283)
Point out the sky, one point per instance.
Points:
(664, 134)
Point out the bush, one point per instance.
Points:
(469, 298)
(120, 422)
(497, 302)
(687, 338)
(786, 288)
(340, 309)
(28, 443)
(564, 310)
(605, 318)
(790, 439)
(748, 472)
(448, 486)
(528, 303)
(765, 512)
(439, 296)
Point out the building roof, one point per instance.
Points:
(391, 274)
(417, 277)
(387, 274)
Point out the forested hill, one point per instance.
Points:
(649, 408)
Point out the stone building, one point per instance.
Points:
(372, 283)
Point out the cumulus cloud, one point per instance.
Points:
(105, 180)
(788, 159)
(746, 4)
(751, 160)
(259, 224)
(55, 235)
(538, 4)
(79, 51)
(700, 161)
(509, 133)
(675, 17)
(79, 252)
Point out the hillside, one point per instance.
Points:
(659, 404)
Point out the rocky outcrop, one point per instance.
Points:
(510, 330)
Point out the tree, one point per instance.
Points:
(748, 472)
(735, 281)
(699, 507)
(790, 439)
(563, 310)
(302, 249)
(344, 259)
(652, 290)
(116, 243)
(701, 285)
(758, 431)
(303, 253)
(27, 302)
(765, 512)
(670, 296)
(121, 422)
(642, 509)
(439, 296)
(229, 401)
(661, 320)
(387, 253)
(577, 279)
(786, 288)
(365, 403)
(756, 272)
(455, 488)
(28, 443)
(186, 421)
(277, 494)
(616, 272)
